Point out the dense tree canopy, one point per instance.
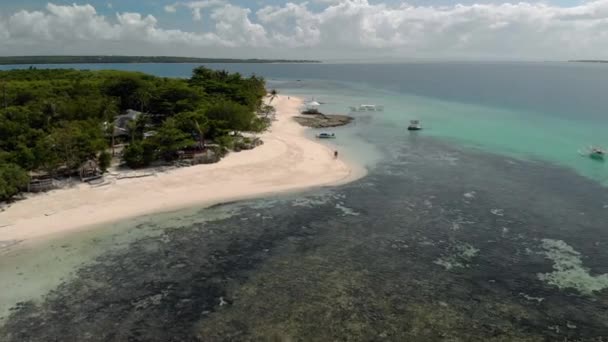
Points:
(58, 119)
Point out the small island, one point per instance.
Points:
(33, 60)
(315, 119)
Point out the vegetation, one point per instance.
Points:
(134, 59)
(105, 159)
(55, 120)
(273, 95)
(589, 61)
(12, 179)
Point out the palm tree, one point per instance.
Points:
(201, 133)
(273, 94)
(132, 128)
(109, 113)
(143, 97)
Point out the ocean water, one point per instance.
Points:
(486, 226)
(546, 111)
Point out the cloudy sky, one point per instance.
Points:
(324, 29)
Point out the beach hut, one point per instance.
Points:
(121, 124)
(40, 182)
(89, 171)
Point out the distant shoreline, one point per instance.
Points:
(34, 60)
(588, 61)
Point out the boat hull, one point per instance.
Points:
(596, 156)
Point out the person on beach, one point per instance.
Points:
(335, 154)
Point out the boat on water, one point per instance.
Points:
(367, 108)
(597, 153)
(414, 126)
(326, 136)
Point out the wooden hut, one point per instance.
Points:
(89, 171)
(40, 182)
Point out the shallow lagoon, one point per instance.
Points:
(451, 237)
(437, 244)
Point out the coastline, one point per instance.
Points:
(288, 161)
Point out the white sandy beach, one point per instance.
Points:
(287, 161)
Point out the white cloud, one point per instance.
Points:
(66, 25)
(195, 6)
(343, 28)
(232, 24)
(171, 8)
(292, 25)
(522, 30)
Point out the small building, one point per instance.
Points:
(121, 124)
(89, 171)
(40, 182)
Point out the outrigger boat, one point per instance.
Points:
(326, 136)
(414, 126)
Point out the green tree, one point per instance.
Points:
(12, 180)
(110, 112)
(230, 115)
(194, 123)
(77, 141)
(105, 161)
(273, 94)
(175, 96)
(268, 111)
(143, 95)
(137, 128)
(138, 154)
(123, 85)
(169, 139)
(47, 157)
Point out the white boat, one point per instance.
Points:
(367, 108)
(414, 125)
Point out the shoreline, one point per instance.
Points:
(288, 161)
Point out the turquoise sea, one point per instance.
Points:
(488, 225)
(540, 111)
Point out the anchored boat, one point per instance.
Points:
(414, 126)
(597, 153)
(367, 108)
(326, 136)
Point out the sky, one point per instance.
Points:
(313, 29)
